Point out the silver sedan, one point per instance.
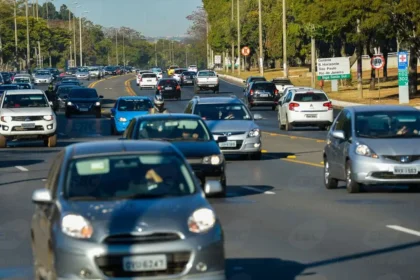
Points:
(372, 145)
(125, 210)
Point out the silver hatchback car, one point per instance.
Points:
(372, 145)
(125, 210)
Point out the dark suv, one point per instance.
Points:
(83, 101)
(262, 94)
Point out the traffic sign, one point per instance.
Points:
(378, 62)
(402, 60)
(245, 51)
(403, 78)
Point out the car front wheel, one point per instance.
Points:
(351, 185)
(51, 141)
(329, 182)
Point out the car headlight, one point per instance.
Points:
(48, 118)
(364, 150)
(201, 220)
(122, 119)
(69, 103)
(98, 104)
(254, 133)
(76, 226)
(213, 160)
(6, 118)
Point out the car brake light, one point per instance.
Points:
(292, 106)
(159, 88)
(329, 105)
(178, 87)
(251, 92)
(276, 92)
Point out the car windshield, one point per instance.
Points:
(94, 69)
(264, 86)
(82, 70)
(310, 97)
(173, 130)
(24, 86)
(129, 105)
(43, 73)
(25, 101)
(9, 87)
(179, 71)
(72, 80)
(282, 82)
(83, 93)
(384, 124)
(169, 83)
(120, 177)
(21, 80)
(186, 73)
(156, 70)
(206, 74)
(223, 112)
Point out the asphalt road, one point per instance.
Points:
(279, 220)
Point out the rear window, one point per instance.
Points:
(282, 82)
(310, 97)
(206, 74)
(83, 93)
(149, 75)
(168, 82)
(257, 79)
(264, 86)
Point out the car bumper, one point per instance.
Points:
(14, 129)
(72, 256)
(257, 102)
(120, 127)
(42, 81)
(170, 94)
(322, 118)
(189, 82)
(371, 171)
(208, 86)
(82, 77)
(81, 111)
(148, 85)
(244, 145)
(206, 172)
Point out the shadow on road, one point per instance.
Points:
(271, 156)
(21, 181)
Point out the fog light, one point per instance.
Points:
(85, 273)
(256, 145)
(50, 126)
(6, 128)
(201, 267)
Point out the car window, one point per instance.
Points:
(310, 97)
(264, 86)
(258, 79)
(130, 128)
(148, 76)
(188, 109)
(83, 93)
(174, 129)
(206, 74)
(25, 101)
(339, 123)
(117, 177)
(21, 80)
(347, 125)
(282, 82)
(288, 97)
(130, 105)
(64, 90)
(222, 112)
(168, 83)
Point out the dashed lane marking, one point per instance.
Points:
(294, 137)
(21, 168)
(303, 162)
(404, 229)
(264, 151)
(291, 157)
(258, 190)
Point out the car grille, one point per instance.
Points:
(229, 133)
(139, 239)
(238, 145)
(36, 128)
(27, 119)
(195, 160)
(84, 105)
(390, 175)
(112, 266)
(406, 159)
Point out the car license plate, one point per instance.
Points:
(228, 144)
(168, 88)
(263, 95)
(28, 125)
(149, 80)
(84, 109)
(400, 170)
(311, 116)
(211, 85)
(145, 263)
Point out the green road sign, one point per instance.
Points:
(335, 77)
(402, 78)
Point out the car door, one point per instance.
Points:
(333, 146)
(343, 145)
(188, 109)
(128, 133)
(284, 107)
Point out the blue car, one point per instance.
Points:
(126, 108)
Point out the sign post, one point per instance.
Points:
(403, 78)
(246, 51)
(378, 62)
(333, 69)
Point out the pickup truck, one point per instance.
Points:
(206, 80)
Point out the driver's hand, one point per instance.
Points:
(195, 136)
(403, 130)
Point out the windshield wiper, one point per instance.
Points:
(146, 196)
(84, 198)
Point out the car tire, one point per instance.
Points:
(351, 185)
(51, 141)
(288, 126)
(329, 182)
(98, 115)
(137, 84)
(273, 108)
(255, 156)
(3, 141)
(68, 115)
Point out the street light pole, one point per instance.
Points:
(239, 39)
(156, 54)
(116, 45)
(27, 36)
(80, 40)
(16, 37)
(37, 10)
(261, 42)
(285, 67)
(70, 45)
(233, 43)
(123, 49)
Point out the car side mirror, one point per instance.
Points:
(258, 117)
(222, 139)
(338, 134)
(101, 96)
(41, 196)
(212, 187)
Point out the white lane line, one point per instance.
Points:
(258, 190)
(403, 229)
(21, 168)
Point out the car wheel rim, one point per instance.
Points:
(326, 172)
(348, 176)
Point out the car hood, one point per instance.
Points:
(83, 100)
(231, 125)
(33, 111)
(131, 114)
(192, 149)
(393, 146)
(82, 73)
(123, 216)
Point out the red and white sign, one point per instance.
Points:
(378, 62)
(246, 51)
(402, 58)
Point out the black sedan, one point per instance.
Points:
(62, 94)
(262, 94)
(83, 101)
(187, 78)
(169, 88)
(190, 134)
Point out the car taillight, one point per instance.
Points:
(159, 87)
(329, 105)
(178, 87)
(276, 92)
(251, 92)
(292, 106)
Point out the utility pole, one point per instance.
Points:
(186, 56)
(123, 49)
(37, 10)
(80, 40)
(156, 54)
(208, 47)
(232, 59)
(285, 66)
(16, 37)
(359, 62)
(70, 48)
(313, 61)
(48, 23)
(28, 53)
(239, 39)
(74, 41)
(116, 45)
(261, 42)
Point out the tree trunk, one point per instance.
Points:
(385, 69)
(412, 72)
(372, 83)
(1, 52)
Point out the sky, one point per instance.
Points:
(152, 18)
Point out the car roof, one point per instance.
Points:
(262, 82)
(25, 91)
(133, 97)
(95, 148)
(169, 116)
(380, 108)
(218, 100)
(256, 77)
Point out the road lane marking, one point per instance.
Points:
(303, 162)
(403, 229)
(291, 157)
(293, 137)
(263, 151)
(258, 190)
(128, 87)
(21, 168)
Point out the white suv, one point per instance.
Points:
(305, 107)
(193, 68)
(148, 80)
(27, 114)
